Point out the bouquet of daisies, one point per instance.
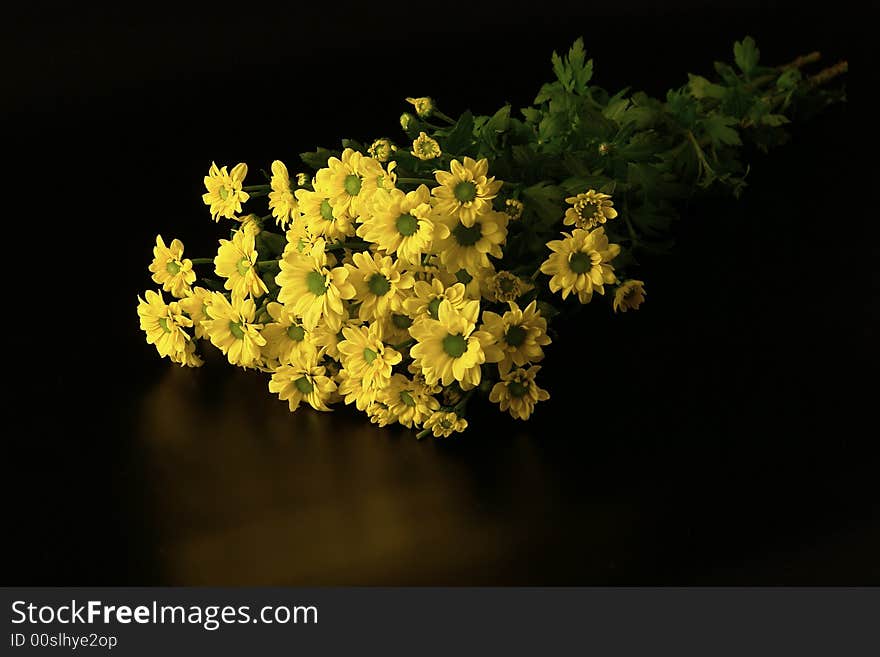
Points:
(406, 276)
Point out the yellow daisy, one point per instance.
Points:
(366, 357)
(196, 306)
(426, 148)
(352, 390)
(518, 336)
(318, 214)
(381, 284)
(579, 263)
(630, 294)
(299, 238)
(282, 202)
(505, 286)
(408, 401)
(164, 324)
(328, 337)
(464, 192)
(468, 246)
(351, 181)
(513, 208)
(443, 424)
(286, 338)
(400, 223)
(518, 393)
(232, 329)
(424, 106)
(225, 194)
(303, 382)
(236, 261)
(170, 270)
(313, 287)
(427, 297)
(450, 348)
(188, 357)
(589, 210)
(474, 284)
(382, 150)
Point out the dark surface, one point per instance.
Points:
(723, 434)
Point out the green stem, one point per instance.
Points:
(403, 345)
(464, 400)
(266, 263)
(348, 245)
(440, 115)
(416, 181)
(256, 188)
(202, 261)
(421, 434)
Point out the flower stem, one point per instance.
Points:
(403, 345)
(202, 261)
(416, 181)
(256, 188)
(440, 115)
(354, 244)
(421, 434)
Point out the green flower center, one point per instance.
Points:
(401, 321)
(462, 276)
(454, 345)
(304, 385)
(465, 191)
(224, 193)
(172, 267)
(379, 285)
(369, 355)
(163, 322)
(326, 210)
(506, 283)
(467, 236)
(235, 329)
(515, 336)
(352, 185)
(296, 333)
(434, 307)
(586, 210)
(580, 262)
(406, 398)
(517, 389)
(243, 266)
(407, 224)
(315, 283)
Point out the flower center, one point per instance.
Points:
(369, 355)
(296, 333)
(172, 267)
(580, 262)
(434, 307)
(315, 283)
(304, 385)
(379, 285)
(326, 210)
(517, 389)
(515, 336)
(163, 322)
(243, 266)
(454, 345)
(352, 185)
(406, 398)
(235, 329)
(401, 321)
(465, 191)
(586, 209)
(407, 224)
(224, 193)
(467, 236)
(506, 284)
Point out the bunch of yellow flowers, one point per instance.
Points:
(385, 293)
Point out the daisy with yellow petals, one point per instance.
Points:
(351, 181)
(303, 382)
(287, 340)
(468, 246)
(579, 263)
(382, 149)
(236, 261)
(427, 297)
(400, 224)
(464, 192)
(589, 210)
(196, 306)
(408, 402)
(164, 324)
(518, 336)
(232, 329)
(443, 424)
(505, 286)
(381, 284)
(366, 357)
(474, 284)
(318, 214)
(450, 348)
(426, 148)
(170, 270)
(313, 287)
(630, 294)
(282, 202)
(225, 194)
(518, 393)
(352, 390)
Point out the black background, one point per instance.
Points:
(723, 434)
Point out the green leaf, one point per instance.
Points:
(789, 80)
(574, 72)
(718, 128)
(700, 87)
(545, 201)
(317, 159)
(774, 120)
(547, 311)
(746, 54)
(461, 135)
